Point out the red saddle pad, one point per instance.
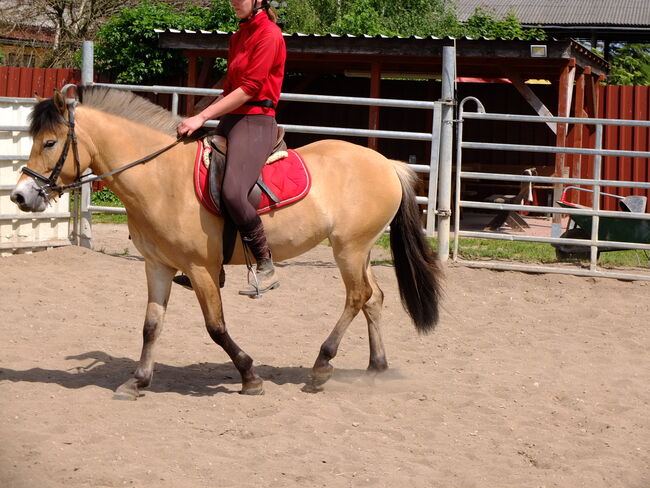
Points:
(288, 179)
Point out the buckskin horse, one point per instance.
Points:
(356, 193)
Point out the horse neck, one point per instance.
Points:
(115, 142)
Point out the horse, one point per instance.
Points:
(356, 194)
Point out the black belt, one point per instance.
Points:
(261, 103)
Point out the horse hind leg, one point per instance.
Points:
(159, 279)
(358, 291)
(372, 310)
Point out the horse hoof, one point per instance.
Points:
(321, 376)
(252, 391)
(253, 388)
(127, 391)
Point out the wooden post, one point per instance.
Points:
(191, 82)
(373, 113)
(564, 102)
(577, 130)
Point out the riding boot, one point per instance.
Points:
(263, 278)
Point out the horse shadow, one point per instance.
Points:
(200, 379)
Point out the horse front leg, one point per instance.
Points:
(159, 280)
(205, 285)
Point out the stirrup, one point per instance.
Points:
(255, 289)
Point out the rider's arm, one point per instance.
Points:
(219, 107)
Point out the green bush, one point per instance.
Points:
(128, 44)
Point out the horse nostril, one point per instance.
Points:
(17, 198)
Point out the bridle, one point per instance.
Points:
(48, 183)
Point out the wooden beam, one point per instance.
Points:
(204, 74)
(191, 82)
(577, 129)
(208, 99)
(532, 99)
(373, 112)
(564, 102)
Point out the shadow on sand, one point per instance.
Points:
(201, 379)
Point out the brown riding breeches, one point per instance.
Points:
(250, 142)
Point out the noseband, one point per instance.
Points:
(49, 185)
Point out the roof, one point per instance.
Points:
(564, 12)
(332, 53)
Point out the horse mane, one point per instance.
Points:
(125, 104)
(130, 106)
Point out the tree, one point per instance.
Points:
(71, 22)
(128, 44)
(630, 65)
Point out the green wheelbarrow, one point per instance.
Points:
(609, 228)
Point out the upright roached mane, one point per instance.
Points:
(124, 104)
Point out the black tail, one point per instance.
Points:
(416, 265)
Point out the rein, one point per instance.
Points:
(71, 140)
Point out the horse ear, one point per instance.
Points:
(59, 102)
(38, 98)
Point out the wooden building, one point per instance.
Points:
(495, 71)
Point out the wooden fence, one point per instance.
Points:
(25, 82)
(616, 102)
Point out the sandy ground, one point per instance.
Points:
(528, 381)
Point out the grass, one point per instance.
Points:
(531, 252)
(476, 249)
(106, 218)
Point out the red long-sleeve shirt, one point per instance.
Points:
(256, 63)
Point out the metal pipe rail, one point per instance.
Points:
(559, 120)
(598, 152)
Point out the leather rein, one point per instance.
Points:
(50, 185)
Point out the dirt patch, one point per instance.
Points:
(529, 380)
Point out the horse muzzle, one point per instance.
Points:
(29, 196)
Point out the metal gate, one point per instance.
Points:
(437, 202)
(24, 232)
(596, 183)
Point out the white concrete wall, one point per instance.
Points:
(22, 232)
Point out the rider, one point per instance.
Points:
(246, 109)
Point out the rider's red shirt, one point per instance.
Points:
(256, 63)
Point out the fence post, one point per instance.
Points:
(446, 144)
(434, 164)
(87, 60)
(85, 216)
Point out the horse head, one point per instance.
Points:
(56, 156)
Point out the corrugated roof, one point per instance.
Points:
(564, 12)
(350, 36)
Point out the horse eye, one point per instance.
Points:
(49, 143)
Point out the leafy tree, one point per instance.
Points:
(71, 22)
(128, 47)
(482, 23)
(630, 65)
(128, 44)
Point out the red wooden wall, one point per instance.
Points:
(24, 82)
(617, 102)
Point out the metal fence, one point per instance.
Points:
(440, 138)
(596, 182)
(24, 232)
(432, 138)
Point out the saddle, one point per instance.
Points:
(216, 150)
(285, 179)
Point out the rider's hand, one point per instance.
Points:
(189, 125)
